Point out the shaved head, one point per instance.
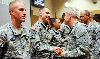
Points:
(44, 10)
(13, 3)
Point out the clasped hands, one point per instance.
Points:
(59, 51)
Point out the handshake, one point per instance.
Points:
(59, 51)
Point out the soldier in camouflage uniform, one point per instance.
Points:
(55, 26)
(56, 35)
(41, 37)
(14, 39)
(97, 45)
(76, 38)
(93, 29)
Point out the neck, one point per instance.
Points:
(89, 21)
(55, 28)
(71, 23)
(40, 19)
(16, 23)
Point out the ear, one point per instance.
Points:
(40, 12)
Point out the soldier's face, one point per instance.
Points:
(19, 11)
(84, 18)
(67, 17)
(46, 15)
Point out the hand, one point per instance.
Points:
(61, 54)
(59, 51)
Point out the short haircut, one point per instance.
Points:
(42, 9)
(87, 13)
(13, 2)
(72, 11)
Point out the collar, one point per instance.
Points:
(72, 26)
(44, 26)
(75, 24)
(22, 31)
(91, 23)
(56, 31)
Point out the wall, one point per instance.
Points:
(80, 4)
(4, 12)
(96, 11)
(58, 6)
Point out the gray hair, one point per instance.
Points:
(72, 11)
(87, 13)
